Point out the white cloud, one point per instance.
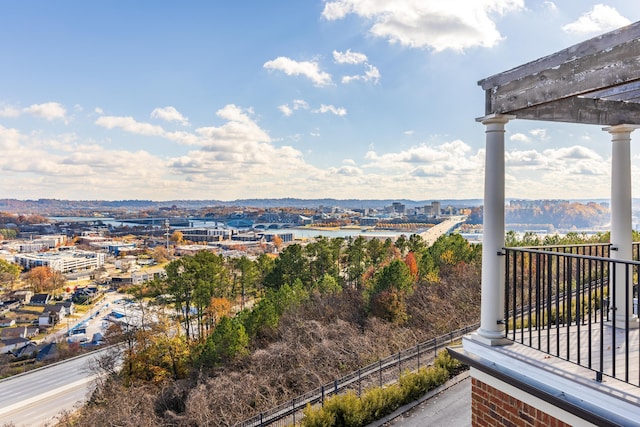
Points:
(539, 133)
(600, 19)
(372, 74)
(519, 137)
(338, 111)
(129, 124)
(549, 5)
(169, 114)
(286, 110)
(9, 112)
(308, 69)
(239, 132)
(298, 104)
(434, 24)
(349, 57)
(99, 110)
(48, 110)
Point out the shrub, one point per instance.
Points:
(347, 410)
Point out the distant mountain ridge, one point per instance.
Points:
(49, 205)
(43, 205)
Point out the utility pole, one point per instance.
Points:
(166, 231)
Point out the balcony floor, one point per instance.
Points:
(576, 364)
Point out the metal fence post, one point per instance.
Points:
(293, 407)
(418, 355)
(359, 383)
(380, 370)
(335, 386)
(322, 395)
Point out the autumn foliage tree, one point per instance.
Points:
(44, 279)
(411, 262)
(9, 272)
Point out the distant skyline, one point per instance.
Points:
(346, 99)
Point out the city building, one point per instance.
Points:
(113, 247)
(558, 342)
(206, 234)
(63, 261)
(284, 237)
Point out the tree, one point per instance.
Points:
(157, 354)
(219, 308)
(289, 266)
(328, 285)
(323, 258)
(375, 251)
(411, 262)
(416, 243)
(9, 272)
(177, 237)
(356, 261)
(247, 273)
(229, 340)
(193, 281)
(402, 243)
(277, 242)
(395, 276)
(44, 279)
(160, 254)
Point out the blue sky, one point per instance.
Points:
(368, 99)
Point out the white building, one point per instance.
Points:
(64, 262)
(205, 234)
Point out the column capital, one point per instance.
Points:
(495, 119)
(621, 128)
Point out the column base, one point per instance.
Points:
(489, 338)
(634, 323)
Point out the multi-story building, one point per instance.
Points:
(558, 342)
(205, 234)
(64, 262)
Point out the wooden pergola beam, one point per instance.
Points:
(594, 82)
(584, 111)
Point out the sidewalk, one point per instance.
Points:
(447, 406)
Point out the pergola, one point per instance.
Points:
(594, 82)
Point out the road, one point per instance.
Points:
(450, 408)
(432, 234)
(36, 397)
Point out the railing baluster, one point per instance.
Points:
(547, 286)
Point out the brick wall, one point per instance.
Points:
(491, 407)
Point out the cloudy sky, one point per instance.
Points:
(367, 99)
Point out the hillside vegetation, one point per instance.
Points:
(317, 312)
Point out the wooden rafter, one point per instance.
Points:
(594, 82)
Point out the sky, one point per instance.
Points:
(225, 100)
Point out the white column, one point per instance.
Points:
(492, 304)
(621, 225)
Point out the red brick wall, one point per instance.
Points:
(490, 407)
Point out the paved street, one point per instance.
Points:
(450, 408)
(35, 398)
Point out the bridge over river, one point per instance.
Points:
(432, 234)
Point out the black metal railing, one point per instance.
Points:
(379, 373)
(559, 300)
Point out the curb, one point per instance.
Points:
(401, 410)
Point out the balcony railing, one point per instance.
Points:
(558, 300)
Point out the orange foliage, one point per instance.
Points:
(411, 262)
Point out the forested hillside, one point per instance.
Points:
(317, 312)
(550, 214)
